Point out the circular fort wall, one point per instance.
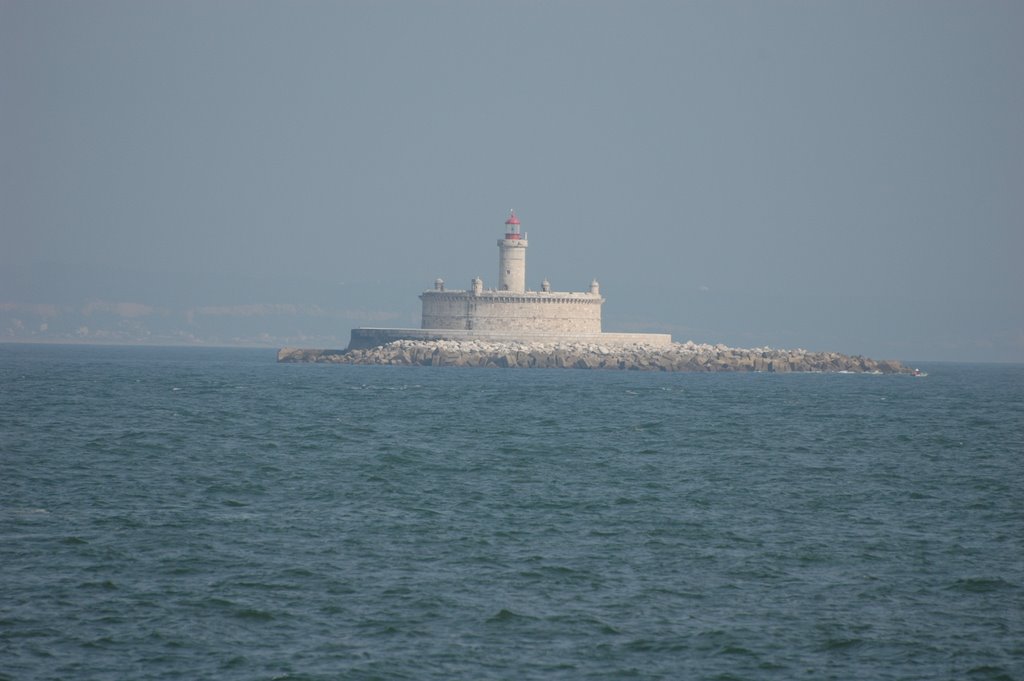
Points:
(565, 313)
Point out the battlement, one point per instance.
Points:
(524, 297)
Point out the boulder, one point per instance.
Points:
(687, 356)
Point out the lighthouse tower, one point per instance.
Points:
(512, 258)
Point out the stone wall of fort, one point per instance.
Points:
(502, 311)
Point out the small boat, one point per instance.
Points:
(920, 374)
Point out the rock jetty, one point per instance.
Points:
(687, 356)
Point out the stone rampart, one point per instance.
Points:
(688, 356)
(550, 312)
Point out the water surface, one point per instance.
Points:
(210, 514)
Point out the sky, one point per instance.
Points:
(843, 176)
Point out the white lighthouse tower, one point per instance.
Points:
(512, 258)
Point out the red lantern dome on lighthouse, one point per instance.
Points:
(512, 226)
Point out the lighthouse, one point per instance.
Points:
(512, 258)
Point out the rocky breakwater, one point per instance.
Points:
(687, 356)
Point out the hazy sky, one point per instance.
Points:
(830, 175)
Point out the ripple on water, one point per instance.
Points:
(363, 522)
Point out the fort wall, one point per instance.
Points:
(540, 312)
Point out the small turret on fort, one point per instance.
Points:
(512, 257)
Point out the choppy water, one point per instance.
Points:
(210, 514)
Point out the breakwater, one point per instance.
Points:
(689, 356)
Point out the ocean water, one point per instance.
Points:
(210, 514)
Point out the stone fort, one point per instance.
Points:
(509, 312)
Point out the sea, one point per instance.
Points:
(207, 513)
